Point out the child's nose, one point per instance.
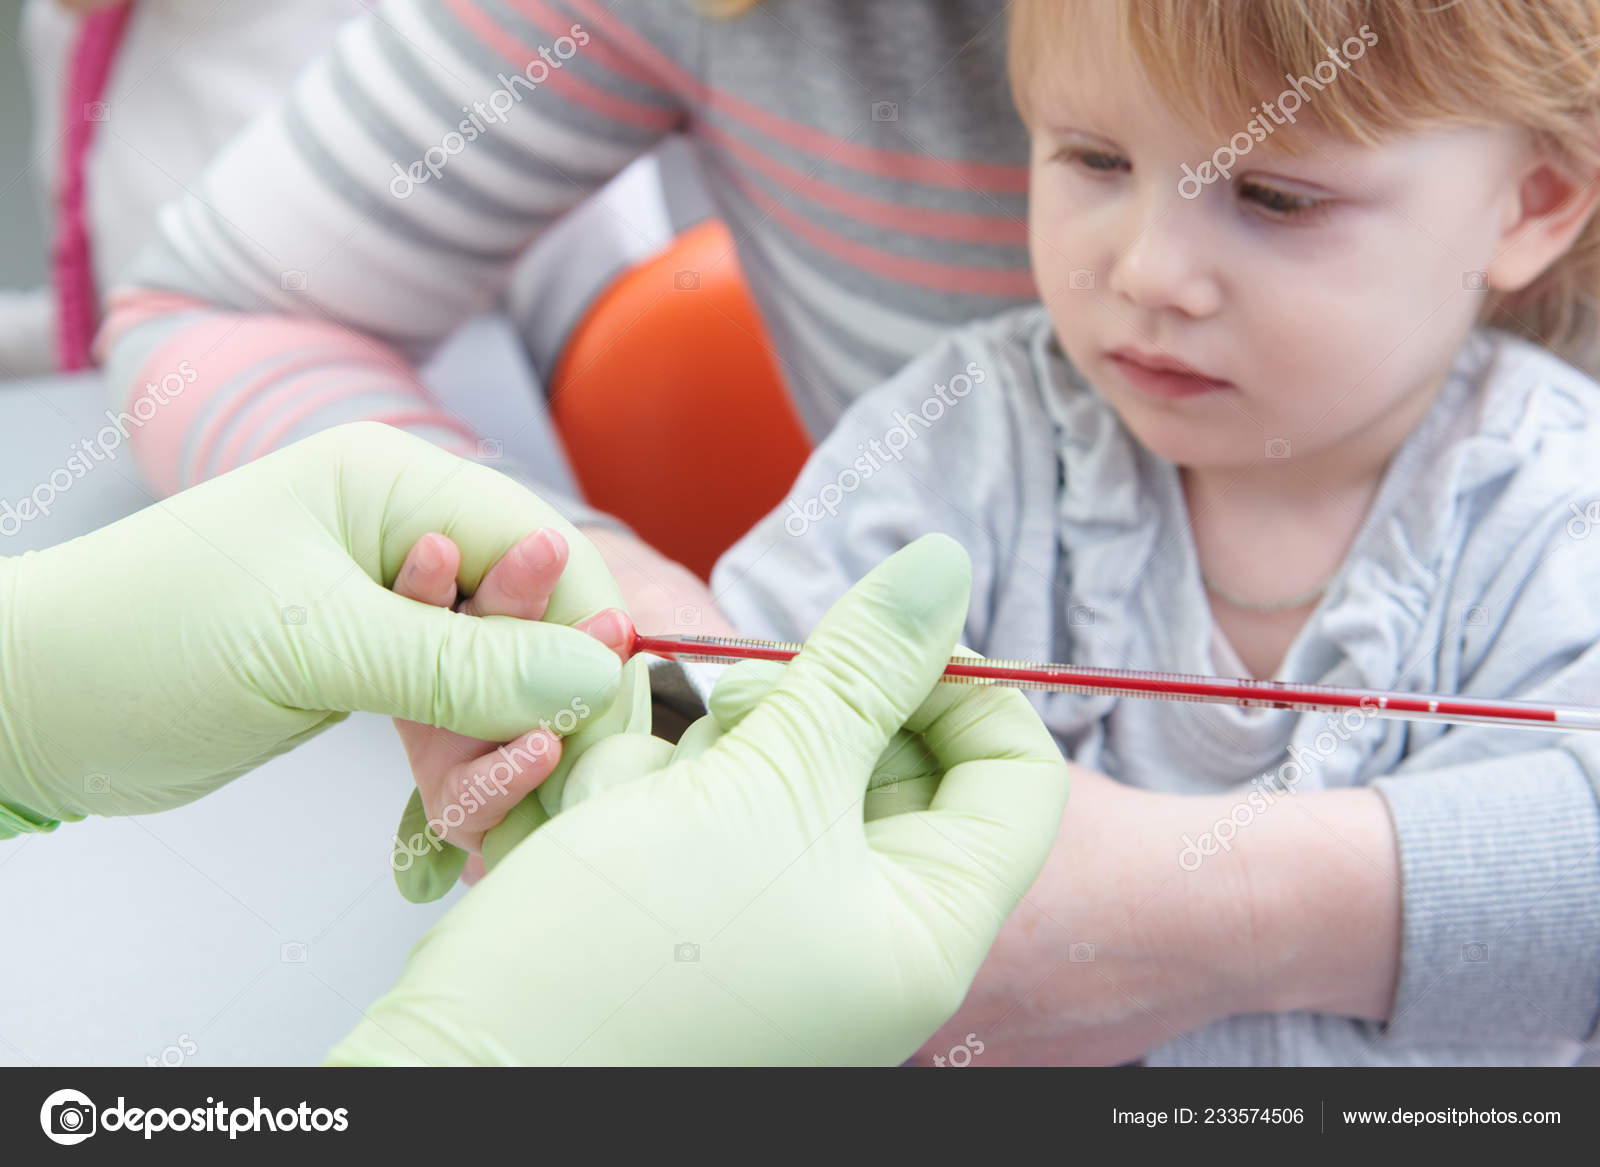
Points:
(1167, 262)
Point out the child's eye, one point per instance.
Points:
(1100, 161)
(1282, 204)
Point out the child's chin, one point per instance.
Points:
(1183, 443)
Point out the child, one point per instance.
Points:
(1294, 406)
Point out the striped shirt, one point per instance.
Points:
(865, 156)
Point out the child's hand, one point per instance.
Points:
(450, 769)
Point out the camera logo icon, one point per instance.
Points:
(293, 615)
(96, 111)
(686, 953)
(491, 448)
(686, 616)
(1080, 615)
(1278, 448)
(1474, 953)
(1475, 281)
(885, 111)
(1081, 953)
(68, 1117)
(686, 280)
(293, 281)
(97, 784)
(1081, 279)
(1583, 521)
(1477, 616)
(294, 952)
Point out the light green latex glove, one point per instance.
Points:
(152, 661)
(733, 906)
(904, 778)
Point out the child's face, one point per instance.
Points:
(1327, 291)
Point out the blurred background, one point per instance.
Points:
(21, 240)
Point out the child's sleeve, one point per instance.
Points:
(1499, 829)
(344, 235)
(939, 447)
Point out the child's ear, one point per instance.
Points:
(1553, 203)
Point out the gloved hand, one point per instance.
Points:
(733, 906)
(904, 778)
(146, 664)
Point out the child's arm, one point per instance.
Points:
(1498, 830)
(1456, 900)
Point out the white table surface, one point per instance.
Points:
(253, 926)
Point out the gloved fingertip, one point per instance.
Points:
(938, 573)
(423, 878)
(564, 667)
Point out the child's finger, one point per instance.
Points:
(613, 629)
(474, 870)
(521, 582)
(429, 572)
(475, 795)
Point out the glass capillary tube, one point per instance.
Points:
(1064, 678)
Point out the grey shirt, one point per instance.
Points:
(1474, 572)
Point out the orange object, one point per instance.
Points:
(671, 407)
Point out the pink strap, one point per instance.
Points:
(99, 35)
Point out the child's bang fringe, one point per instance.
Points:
(1213, 60)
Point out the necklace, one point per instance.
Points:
(1298, 600)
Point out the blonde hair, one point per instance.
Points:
(1428, 64)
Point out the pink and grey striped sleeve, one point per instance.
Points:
(343, 236)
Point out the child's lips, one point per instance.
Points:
(1162, 376)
